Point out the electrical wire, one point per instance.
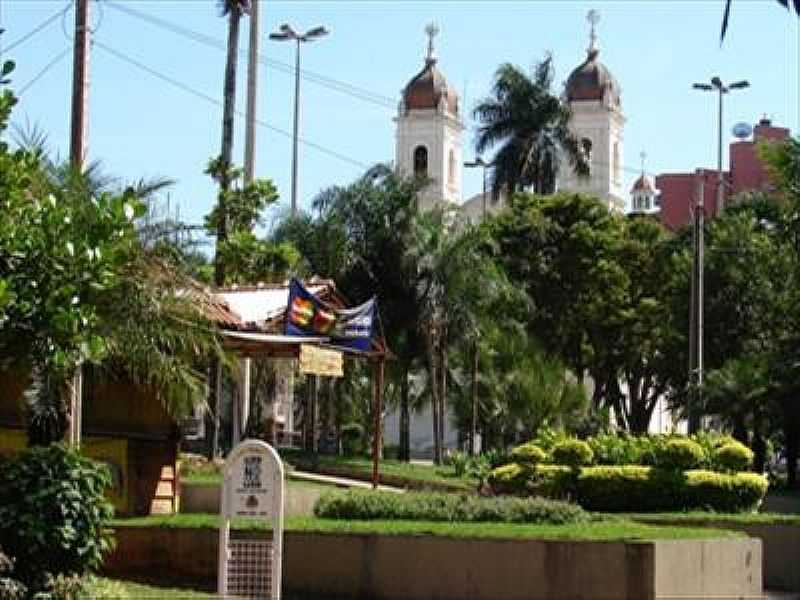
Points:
(37, 29)
(58, 57)
(202, 95)
(328, 82)
(322, 80)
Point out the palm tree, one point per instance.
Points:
(726, 15)
(232, 9)
(531, 127)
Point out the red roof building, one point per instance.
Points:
(747, 173)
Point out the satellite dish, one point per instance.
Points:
(742, 130)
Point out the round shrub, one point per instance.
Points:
(680, 454)
(529, 454)
(509, 479)
(53, 513)
(352, 439)
(733, 456)
(573, 453)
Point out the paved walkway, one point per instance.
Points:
(339, 481)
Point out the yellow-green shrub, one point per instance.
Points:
(733, 456)
(680, 454)
(528, 453)
(509, 479)
(572, 452)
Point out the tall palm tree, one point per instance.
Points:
(726, 15)
(531, 127)
(233, 10)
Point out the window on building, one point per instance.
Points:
(451, 169)
(421, 161)
(586, 150)
(616, 165)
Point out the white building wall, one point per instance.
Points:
(439, 133)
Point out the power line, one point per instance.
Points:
(56, 59)
(322, 80)
(202, 95)
(38, 28)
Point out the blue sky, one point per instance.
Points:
(141, 126)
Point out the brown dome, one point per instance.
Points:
(591, 80)
(643, 185)
(426, 89)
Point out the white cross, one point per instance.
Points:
(431, 30)
(643, 155)
(593, 17)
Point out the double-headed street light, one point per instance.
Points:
(479, 162)
(716, 85)
(696, 314)
(287, 33)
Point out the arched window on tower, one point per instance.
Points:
(451, 168)
(616, 162)
(586, 150)
(421, 161)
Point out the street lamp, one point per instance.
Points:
(479, 162)
(286, 33)
(721, 89)
(696, 316)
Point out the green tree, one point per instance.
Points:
(530, 125)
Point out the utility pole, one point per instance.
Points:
(80, 84)
(694, 404)
(252, 91)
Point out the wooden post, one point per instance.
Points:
(75, 390)
(378, 423)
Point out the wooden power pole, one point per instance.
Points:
(80, 84)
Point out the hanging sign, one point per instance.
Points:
(321, 361)
(252, 487)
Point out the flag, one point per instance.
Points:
(347, 327)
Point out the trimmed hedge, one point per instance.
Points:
(635, 488)
(681, 454)
(733, 456)
(528, 453)
(573, 453)
(414, 506)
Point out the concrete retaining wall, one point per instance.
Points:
(780, 548)
(204, 498)
(408, 567)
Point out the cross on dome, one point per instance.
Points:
(431, 30)
(593, 17)
(643, 156)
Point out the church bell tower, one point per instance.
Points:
(429, 132)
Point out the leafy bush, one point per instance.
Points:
(573, 453)
(10, 588)
(359, 504)
(459, 461)
(680, 454)
(733, 456)
(645, 489)
(496, 457)
(547, 437)
(352, 439)
(509, 479)
(529, 454)
(53, 513)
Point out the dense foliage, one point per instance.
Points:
(445, 507)
(54, 514)
(634, 488)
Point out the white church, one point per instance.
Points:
(429, 143)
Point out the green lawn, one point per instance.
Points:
(124, 590)
(712, 517)
(393, 472)
(607, 529)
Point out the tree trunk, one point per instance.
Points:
(229, 107)
(405, 417)
(434, 387)
(792, 435)
(442, 392)
(473, 430)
